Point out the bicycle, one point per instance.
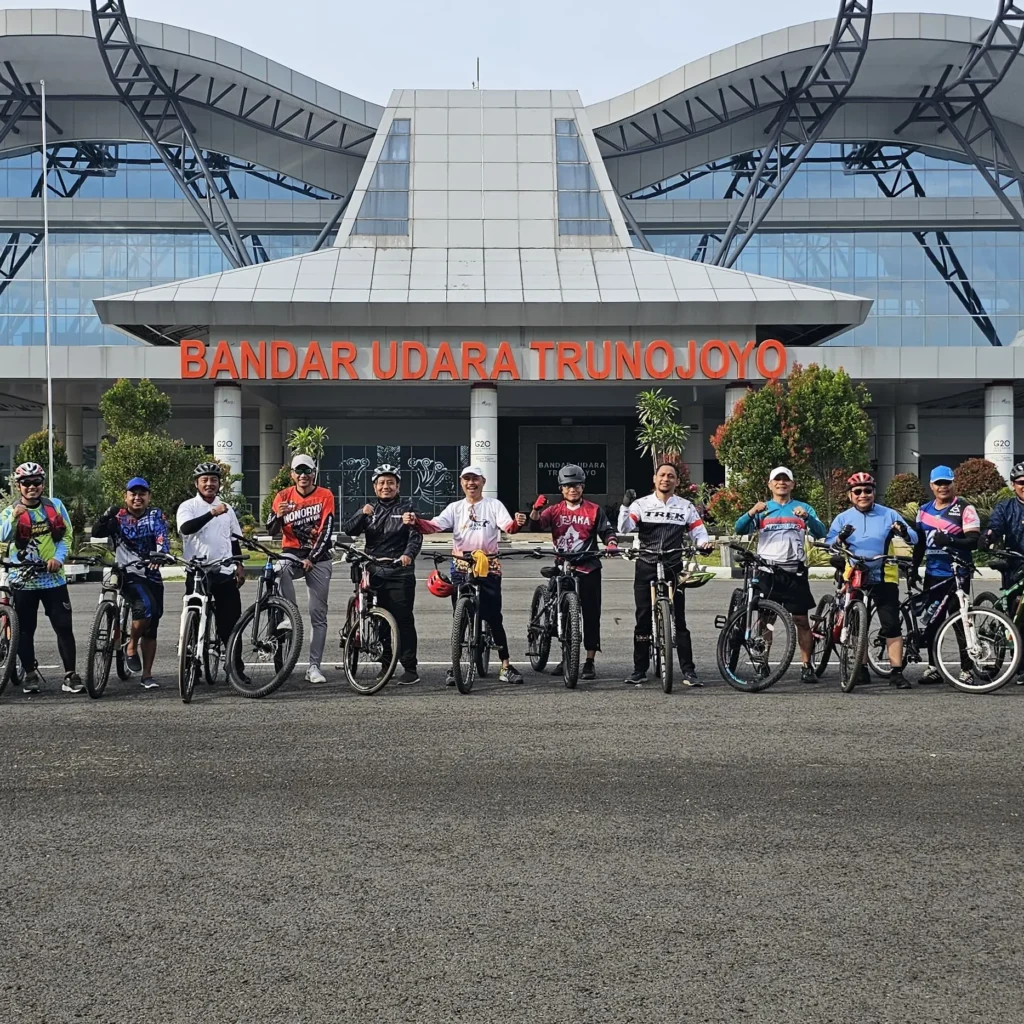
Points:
(369, 638)
(200, 649)
(983, 637)
(472, 641)
(111, 629)
(268, 636)
(556, 614)
(1007, 601)
(752, 625)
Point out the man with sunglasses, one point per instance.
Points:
(575, 526)
(303, 516)
(39, 530)
(867, 529)
(137, 532)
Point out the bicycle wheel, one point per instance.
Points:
(754, 663)
(8, 644)
(855, 645)
(463, 655)
(822, 625)
(484, 646)
(572, 624)
(124, 626)
(264, 647)
(878, 649)
(100, 653)
(188, 655)
(992, 650)
(665, 645)
(213, 651)
(371, 651)
(986, 599)
(538, 636)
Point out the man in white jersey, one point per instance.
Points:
(476, 524)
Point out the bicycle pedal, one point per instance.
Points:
(720, 621)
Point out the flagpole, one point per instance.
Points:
(46, 286)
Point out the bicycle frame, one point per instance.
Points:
(364, 600)
(200, 600)
(564, 580)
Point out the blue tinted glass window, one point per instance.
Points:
(385, 207)
(581, 209)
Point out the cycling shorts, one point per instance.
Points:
(147, 602)
(886, 600)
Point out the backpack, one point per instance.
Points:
(23, 528)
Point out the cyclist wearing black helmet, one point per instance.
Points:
(575, 525)
(388, 537)
(1006, 526)
(208, 529)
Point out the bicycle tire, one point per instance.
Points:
(822, 625)
(1004, 669)
(854, 650)
(663, 609)
(728, 650)
(877, 649)
(213, 651)
(100, 651)
(484, 646)
(463, 655)
(279, 647)
(188, 658)
(8, 644)
(986, 599)
(572, 619)
(538, 637)
(124, 627)
(352, 644)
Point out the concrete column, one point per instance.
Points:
(733, 395)
(885, 445)
(483, 433)
(227, 426)
(270, 447)
(73, 434)
(693, 453)
(1000, 443)
(907, 440)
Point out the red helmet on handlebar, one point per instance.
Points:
(439, 586)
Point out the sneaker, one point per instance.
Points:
(558, 669)
(133, 662)
(690, 679)
(408, 677)
(899, 680)
(149, 683)
(73, 683)
(314, 675)
(966, 676)
(30, 684)
(931, 677)
(636, 679)
(510, 674)
(449, 678)
(588, 670)
(1020, 679)
(807, 674)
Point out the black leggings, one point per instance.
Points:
(397, 594)
(645, 572)
(227, 601)
(57, 605)
(490, 612)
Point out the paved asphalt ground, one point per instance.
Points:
(521, 854)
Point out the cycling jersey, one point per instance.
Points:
(305, 522)
(135, 537)
(215, 538)
(40, 547)
(956, 519)
(780, 532)
(575, 529)
(663, 525)
(474, 527)
(1006, 527)
(872, 535)
(386, 536)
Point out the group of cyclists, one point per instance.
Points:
(37, 530)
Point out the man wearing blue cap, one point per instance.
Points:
(946, 525)
(138, 532)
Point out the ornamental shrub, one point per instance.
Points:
(902, 490)
(725, 507)
(35, 448)
(977, 477)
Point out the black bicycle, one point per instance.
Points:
(556, 614)
(369, 637)
(758, 638)
(265, 644)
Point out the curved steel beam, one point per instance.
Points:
(159, 113)
(799, 124)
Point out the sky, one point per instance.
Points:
(600, 47)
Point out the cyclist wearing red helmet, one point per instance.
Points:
(868, 529)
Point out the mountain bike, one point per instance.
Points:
(265, 643)
(556, 614)
(758, 637)
(369, 638)
(976, 649)
(200, 649)
(1007, 601)
(472, 641)
(111, 629)
(8, 626)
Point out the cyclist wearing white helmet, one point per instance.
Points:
(39, 530)
(388, 537)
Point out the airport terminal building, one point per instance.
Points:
(490, 276)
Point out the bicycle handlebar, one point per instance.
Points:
(663, 555)
(354, 554)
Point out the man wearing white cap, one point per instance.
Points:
(476, 524)
(782, 525)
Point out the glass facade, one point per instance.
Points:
(385, 207)
(913, 304)
(581, 209)
(87, 265)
